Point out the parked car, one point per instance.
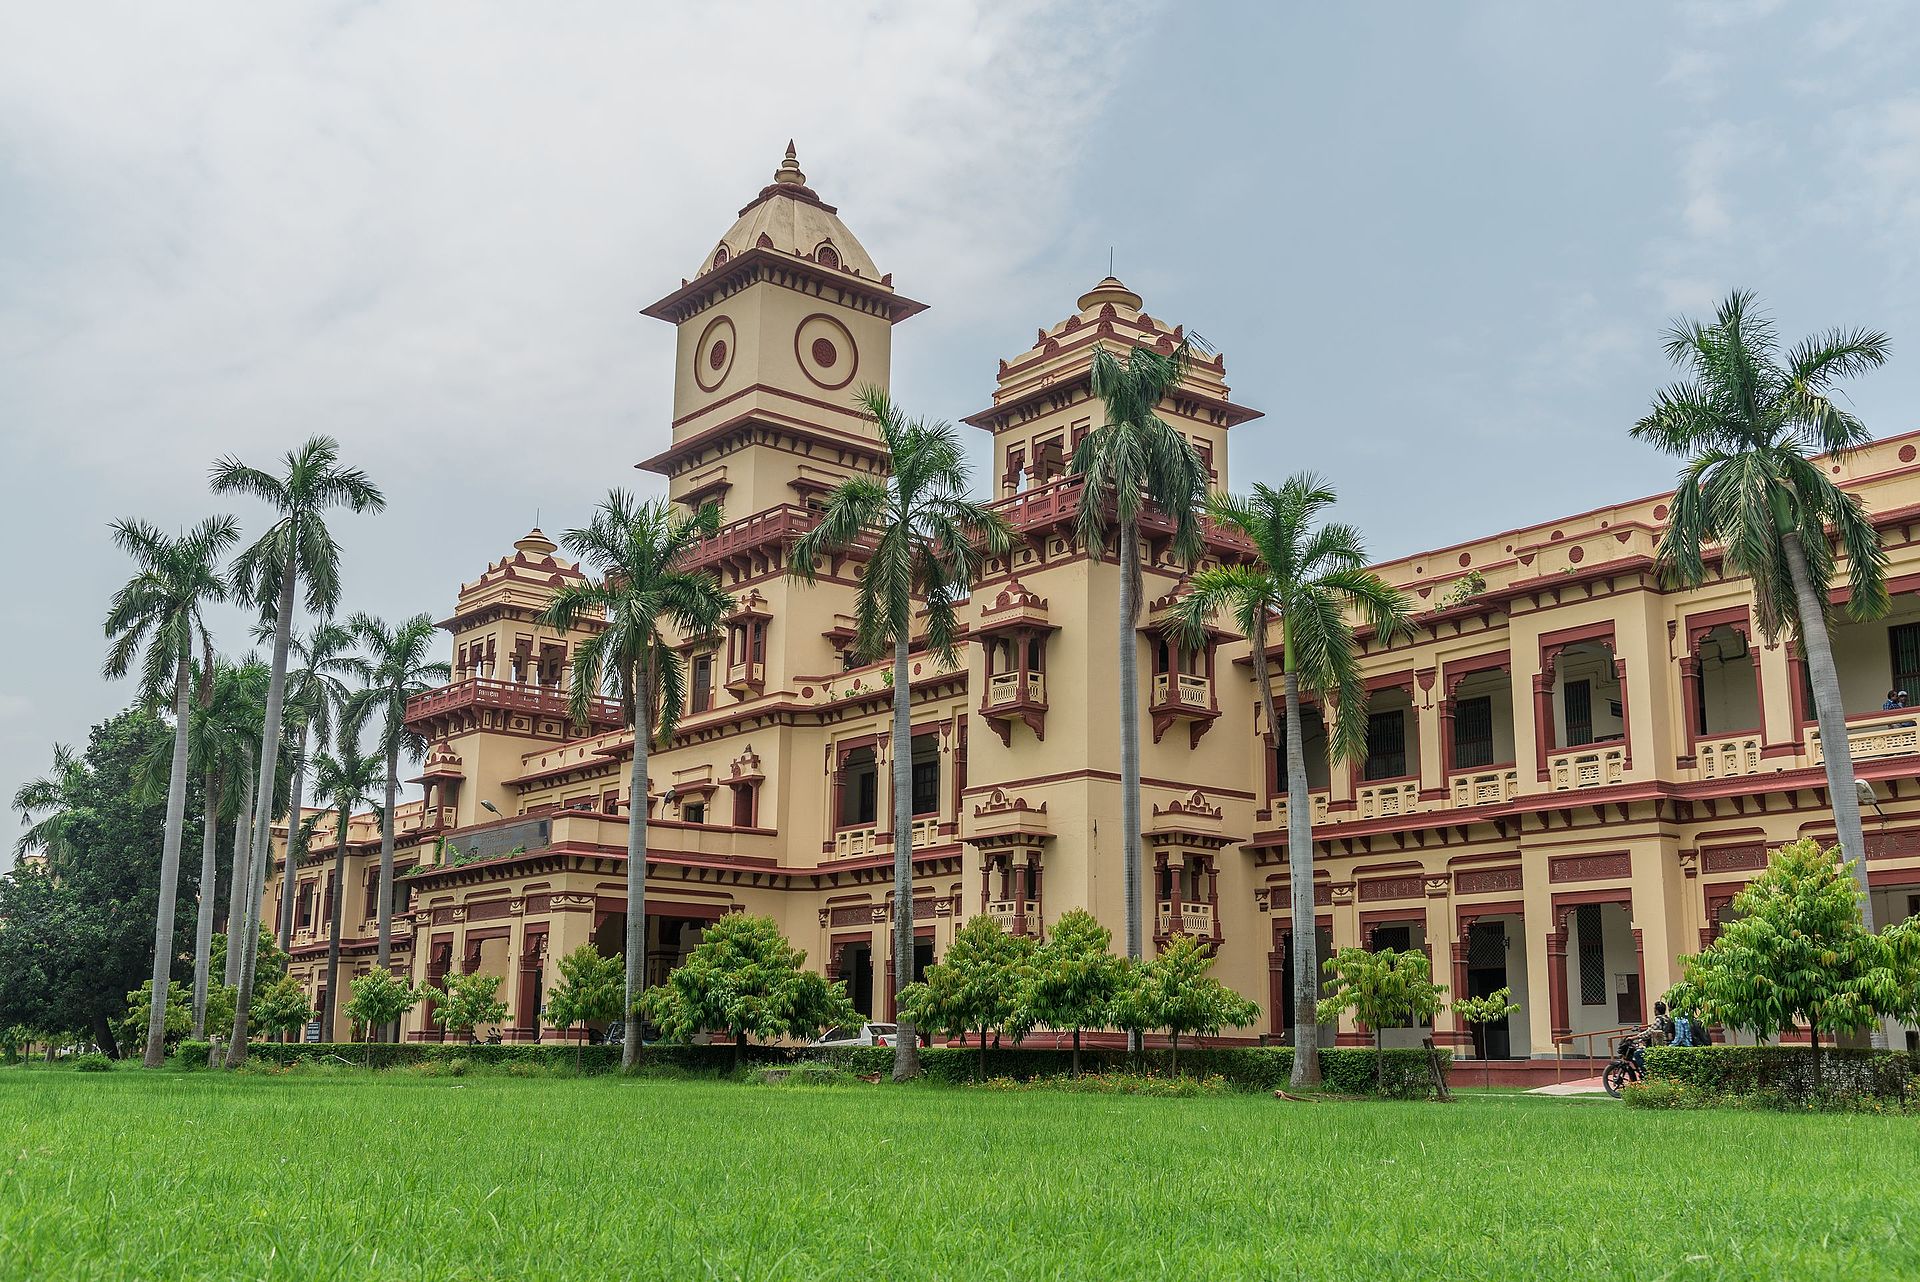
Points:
(862, 1035)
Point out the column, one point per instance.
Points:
(1689, 701)
(1543, 737)
(1557, 976)
(1020, 899)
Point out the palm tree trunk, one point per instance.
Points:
(1076, 1052)
(1306, 934)
(384, 949)
(269, 768)
(236, 876)
(906, 1043)
(295, 834)
(169, 868)
(256, 889)
(209, 887)
(1129, 551)
(637, 872)
(1831, 714)
(331, 1002)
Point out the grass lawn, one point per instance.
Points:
(192, 1175)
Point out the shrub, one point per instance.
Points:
(1785, 1073)
(92, 1062)
(806, 1074)
(1665, 1095)
(1348, 1070)
(191, 1054)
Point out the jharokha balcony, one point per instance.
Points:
(1006, 913)
(1185, 919)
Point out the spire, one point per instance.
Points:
(789, 172)
(1109, 290)
(536, 544)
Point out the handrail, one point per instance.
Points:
(1562, 1041)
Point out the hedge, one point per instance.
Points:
(1785, 1071)
(1347, 1070)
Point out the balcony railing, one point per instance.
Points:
(1485, 787)
(926, 832)
(746, 673)
(1874, 734)
(853, 843)
(1316, 808)
(1387, 799)
(1005, 688)
(487, 692)
(1727, 758)
(1594, 766)
(1192, 919)
(1005, 913)
(1182, 690)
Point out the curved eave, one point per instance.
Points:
(683, 302)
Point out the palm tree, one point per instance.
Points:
(52, 795)
(393, 667)
(924, 542)
(1751, 426)
(158, 612)
(347, 782)
(635, 549)
(297, 548)
(226, 718)
(1307, 582)
(315, 693)
(1132, 459)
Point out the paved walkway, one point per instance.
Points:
(1584, 1086)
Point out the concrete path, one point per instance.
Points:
(1584, 1086)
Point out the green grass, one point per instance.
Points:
(195, 1175)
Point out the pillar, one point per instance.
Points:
(1689, 701)
(1557, 977)
(1543, 737)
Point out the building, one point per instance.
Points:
(1570, 770)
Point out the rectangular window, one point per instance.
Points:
(1473, 733)
(1593, 956)
(304, 917)
(1386, 744)
(694, 812)
(402, 892)
(745, 805)
(1578, 696)
(1903, 639)
(326, 902)
(372, 906)
(701, 697)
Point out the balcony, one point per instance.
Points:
(1386, 799)
(1488, 787)
(854, 843)
(748, 676)
(511, 696)
(1005, 914)
(1727, 757)
(1316, 808)
(1180, 690)
(1192, 919)
(1594, 766)
(1004, 690)
(1874, 734)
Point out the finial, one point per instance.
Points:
(789, 171)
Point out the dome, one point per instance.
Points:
(789, 217)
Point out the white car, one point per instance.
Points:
(864, 1035)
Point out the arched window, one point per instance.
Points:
(719, 255)
(826, 255)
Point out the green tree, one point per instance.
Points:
(924, 541)
(1384, 990)
(224, 735)
(280, 1007)
(317, 694)
(1753, 426)
(1073, 978)
(1478, 1012)
(1798, 951)
(393, 668)
(1309, 582)
(976, 987)
(642, 592)
(156, 620)
(1174, 991)
(745, 977)
(72, 946)
(346, 780)
(379, 998)
(1131, 460)
(45, 817)
(467, 1002)
(590, 989)
(178, 1018)
(297, 549)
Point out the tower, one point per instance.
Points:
(785, 321)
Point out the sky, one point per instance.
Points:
(1437, 244)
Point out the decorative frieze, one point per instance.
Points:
(1487, 881)
(1410, 887)
(1590, 867)
(1740, 858)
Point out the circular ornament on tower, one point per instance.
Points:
(826, 353)
(713, 354)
